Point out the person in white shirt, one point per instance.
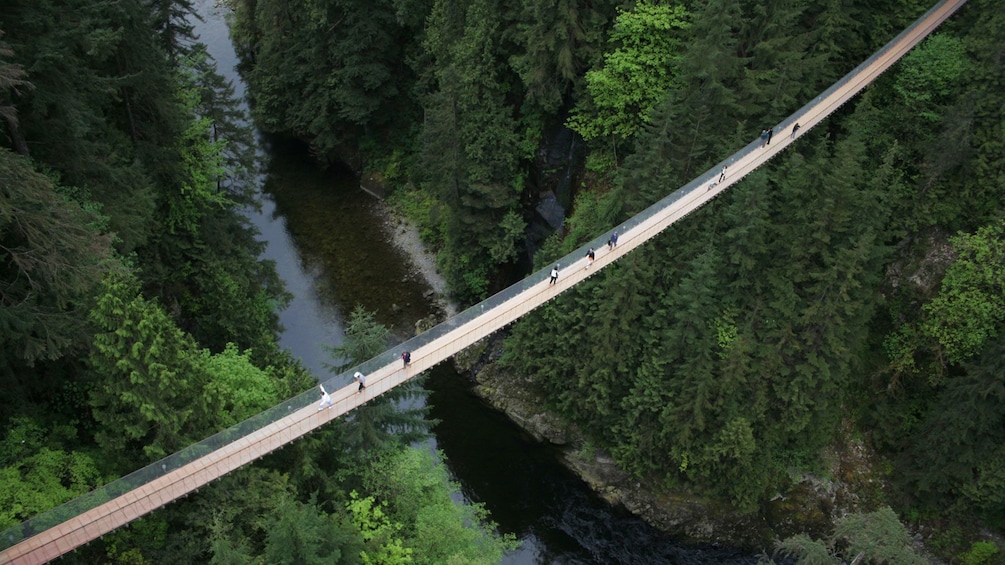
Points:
(325, 398)
(361, 379)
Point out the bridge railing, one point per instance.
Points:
(69, 510)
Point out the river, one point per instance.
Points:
(331, 250)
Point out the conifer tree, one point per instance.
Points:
(12, 82)
(52, 256)
(390, 419)
(956, 458)
(559, 39)
(148, 398)
(173, 21)
(473, 170)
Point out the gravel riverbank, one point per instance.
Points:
(405, 236)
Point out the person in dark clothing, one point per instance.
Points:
(771, 132)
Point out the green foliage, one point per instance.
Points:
(202, 162)
(423, 210)
(172, 20)
(301, 533)
(872, 537)
(150, 381)
(876, 537)
(971, 303)
(806, 550)
(436, 528)
(52, 257)
(383, 545)
(240, 388)
(101, 113)
(962, 458)
(364, 339)
(12, 81)
(713, 358)
(981, 553)
(325, 70)
(37, 474)
(558, 39)
(601, 162)
(930, 73)
(155, 390)
(471, 144)
(636, 73)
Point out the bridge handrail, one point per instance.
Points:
(118, 487)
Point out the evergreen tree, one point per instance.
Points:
(148, 397)
(12, 81)
(325, 71)
(779, 75)
(865, 537)
(956, 458)
(301, 533)
(173, 21)
(52, 258)
(636, 73)
(390, 419)
(474, 170)
(110, 147)
(558, 41)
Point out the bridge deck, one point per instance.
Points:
(155, 493)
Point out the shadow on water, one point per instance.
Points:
(530, 494)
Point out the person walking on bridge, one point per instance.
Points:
(361, 379)
(406, 358)
(590, 256)
(771, 131)
(325, 398)
(613, 241)
(764, 137)
(554, 275)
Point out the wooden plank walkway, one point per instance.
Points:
(119, 511)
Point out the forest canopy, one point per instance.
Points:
(137, 319)
(849, 285)
(854, 283)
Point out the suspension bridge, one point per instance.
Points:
(64, 528)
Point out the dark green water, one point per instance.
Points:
(335, 229)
